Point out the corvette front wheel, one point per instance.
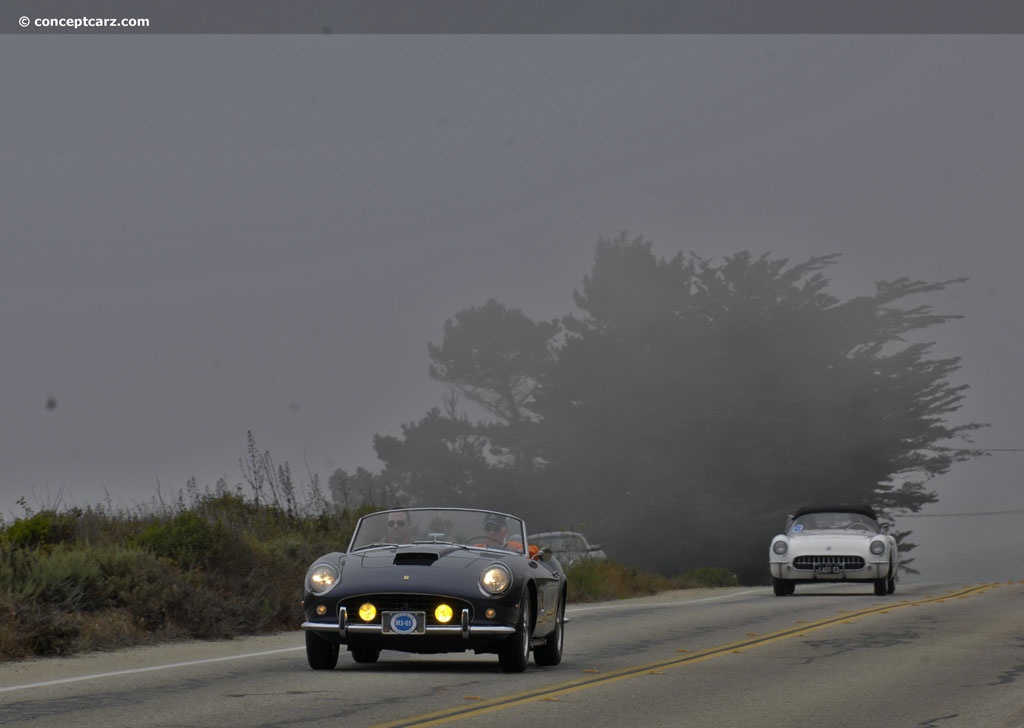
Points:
(783, 587)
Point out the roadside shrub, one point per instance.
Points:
(46, 528)
(709, 576)
(67, 578)
(16, 567)
(594, 580)
(187, 539)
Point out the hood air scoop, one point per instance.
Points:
(414, 558)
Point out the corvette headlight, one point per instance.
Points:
(322, 577)
(878, 547)
(496, 579)
(780, 547)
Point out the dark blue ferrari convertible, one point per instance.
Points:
(432, 580)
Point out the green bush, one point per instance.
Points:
(64, 577)
(46, 528)
(187, 539)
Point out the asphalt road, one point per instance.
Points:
(936, 656)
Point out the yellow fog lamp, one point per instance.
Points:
(443, 613)
(367, 612)
(321, 609)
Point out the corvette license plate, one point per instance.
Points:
(823, 569)
(403, 622)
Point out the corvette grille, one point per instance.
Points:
(814, 563)
(426, 603)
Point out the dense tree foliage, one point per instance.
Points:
(689, 406)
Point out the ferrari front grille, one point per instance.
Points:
(816, 563)
(426, 603)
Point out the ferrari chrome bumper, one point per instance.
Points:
(344, 626)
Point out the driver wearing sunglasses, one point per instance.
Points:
(399, 527)
(496, 533)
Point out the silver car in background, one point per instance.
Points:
(569, 547)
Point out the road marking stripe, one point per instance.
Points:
(553, 692)
(135, 670)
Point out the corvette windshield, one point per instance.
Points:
(834, 521)
(468, 527)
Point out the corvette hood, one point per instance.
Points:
(830, 541)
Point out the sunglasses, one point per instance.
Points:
(394, 524)
(492, 527)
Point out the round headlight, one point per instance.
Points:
(322, 577)
(780, 547)
(496, 579)
(878, 547)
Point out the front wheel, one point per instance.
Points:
(881, 587)
(320, 653)
(514, 652)
(550, 653)
(783, 587)
(891, 581)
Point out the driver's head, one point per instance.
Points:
(399, 526)
(495, 525)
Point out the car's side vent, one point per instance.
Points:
(412, 558)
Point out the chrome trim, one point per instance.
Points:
(463, 630)
(342, 619)
(465, 624)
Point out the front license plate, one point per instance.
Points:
(829, 569)
(403, 622)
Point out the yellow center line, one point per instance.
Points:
(553, 692)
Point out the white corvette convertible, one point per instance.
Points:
(833, 543)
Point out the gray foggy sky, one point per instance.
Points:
(209, 235)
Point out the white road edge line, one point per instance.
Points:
(133, 671)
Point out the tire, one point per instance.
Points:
(514, 652)
(783, 587)
(891, 581)
(550, 653)
(881, 587)
(320, 653)
(365, 655)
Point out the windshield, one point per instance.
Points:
(483, 529)
(834, 521)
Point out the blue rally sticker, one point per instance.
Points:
(403, 623)
(798, 527)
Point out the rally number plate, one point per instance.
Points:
(403, 622)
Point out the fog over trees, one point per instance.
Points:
(686, 407)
